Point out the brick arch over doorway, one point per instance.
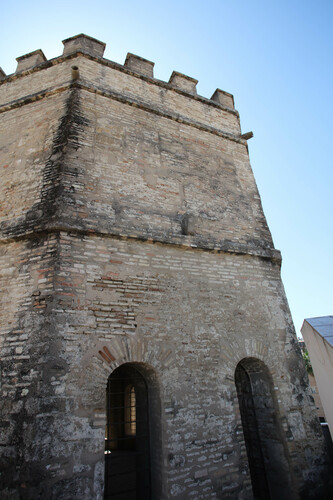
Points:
(263, 434)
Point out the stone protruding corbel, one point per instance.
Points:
(2, 74)
(139, 65)
(224, 98)
(83, 43)
(183, 82)
(247, 136)
(30, 60)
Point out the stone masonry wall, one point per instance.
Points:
(131, 231)
(27, 136)
(148, 175)
(26, 280)
(146, 303)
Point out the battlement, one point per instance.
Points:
(82, 64)
(85, 45)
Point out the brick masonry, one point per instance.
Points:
(132, 232)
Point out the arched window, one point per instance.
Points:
(127, 441)
(130, 410)
(262, 431)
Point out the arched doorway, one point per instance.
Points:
(127, 440)
(262, 431)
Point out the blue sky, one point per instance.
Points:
(275, 57)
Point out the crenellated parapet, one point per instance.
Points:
(87, 49)
(83, 44)
(82, 65)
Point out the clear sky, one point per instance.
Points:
(274, 56)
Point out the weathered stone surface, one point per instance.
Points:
(83, 43)
(223, 98)
(183, 82)
(30, 60)
(139, 65)
(132, 232)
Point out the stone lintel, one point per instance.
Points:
(30, 60)
(83, 43)
(139, 65)
(2, 74)
(183, 82)
(223, 98)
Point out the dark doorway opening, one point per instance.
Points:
(262, 431)
(127, 443)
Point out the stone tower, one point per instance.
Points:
(147, 346)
